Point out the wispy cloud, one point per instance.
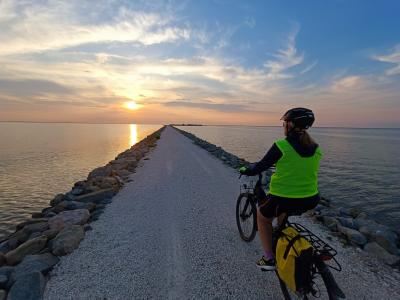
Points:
(285, 59)
(392, 58)
(33, 26)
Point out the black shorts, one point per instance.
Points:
(272, 206)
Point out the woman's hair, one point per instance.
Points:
(305, 139)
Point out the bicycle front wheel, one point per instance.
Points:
(246, 217)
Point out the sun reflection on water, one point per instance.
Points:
(134, 135)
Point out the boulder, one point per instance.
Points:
(67, 240)
(376, 250)
(30, 247)
(4, 246)
(382, 235)
(362, 216)
(122, 173)
(34, 263)
(330, 222)
(96, 197)
(30, 222)
(353, 235)
(50, 233)
(37, 215)
(100, 172)
(72, 205)
(109, 182)
(57, 199)
(3, 281)
(2, 259)
(348, 222)
(17, 238)
(70, 217)
(329, 213)
(76, 191)
(36, 227)
(28, 287)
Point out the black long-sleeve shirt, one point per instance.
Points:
(274, 154)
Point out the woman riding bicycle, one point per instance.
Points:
(294, 185)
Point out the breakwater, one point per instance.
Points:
(350, 225)
(27, 255)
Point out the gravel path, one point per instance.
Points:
(171, 234)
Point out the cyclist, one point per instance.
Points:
(294, 184)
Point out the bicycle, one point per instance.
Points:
(246, 211)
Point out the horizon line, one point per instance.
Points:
(183, 124)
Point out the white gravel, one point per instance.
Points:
(171, 234)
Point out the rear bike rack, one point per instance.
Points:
(323, 249)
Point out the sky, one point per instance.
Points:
(208, 62)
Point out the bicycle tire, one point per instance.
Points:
(334, 291)
(246, 210)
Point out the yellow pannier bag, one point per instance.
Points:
(294, 255)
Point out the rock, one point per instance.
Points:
(87, 227)
(353, 235)
(50, 214)
(57, 199)
(122, 173)
(4, 246)
(387, 240)
(319, 208)
(96, 197)
(17, 238)
(329, 213)
(37, 215)
(109, 182)
(70, 217)
(28, 287)
(31, 221)
(323, 202)
(72, 205)
(354, 212)
(3, 295)
(67, 240)
(344, 212)
(330, 222)
(378, 251)
(34, 263)
(6, 271)
(3, 281)
(382, 235)
(37, 227)
(76, 191)
(2, 259)
(30, 247)
(347, 222)
(50, 233)
(100, 172)
(362, 215)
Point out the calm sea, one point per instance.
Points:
(360, 168)
(39, 160)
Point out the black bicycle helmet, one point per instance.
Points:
(301, 117)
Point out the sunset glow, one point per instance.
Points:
(132, 105)
(245, 63)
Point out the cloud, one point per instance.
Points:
(224, 107)
(347, 83)
(32, 88)
(35, 26)
(285, 59)
(393, 58)
(309, 67)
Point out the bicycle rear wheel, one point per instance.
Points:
(246, 217)
(334, 291)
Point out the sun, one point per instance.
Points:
(132, 105)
